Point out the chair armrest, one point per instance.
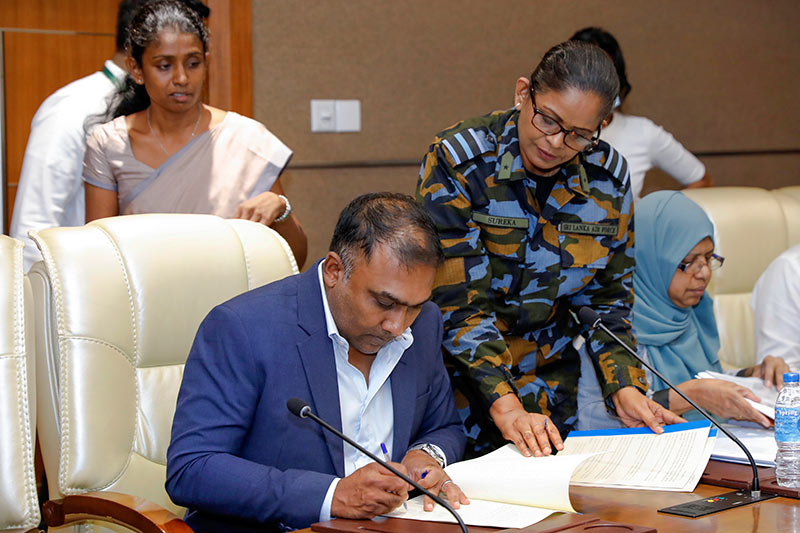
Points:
(128, 511)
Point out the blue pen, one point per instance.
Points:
(385, 452)
(388, 459)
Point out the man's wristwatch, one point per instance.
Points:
(431, 450)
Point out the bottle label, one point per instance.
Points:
(787, 424)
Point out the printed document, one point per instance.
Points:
(637, 458)
(506, 489)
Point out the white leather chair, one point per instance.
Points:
(752, 226)
(118, 303)
(789, 198)
(19, 503)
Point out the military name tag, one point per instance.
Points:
(505, 222)
(588, 229)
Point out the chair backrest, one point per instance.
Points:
(789, 198)
(118, 303)
(19, 504)
(752, 226)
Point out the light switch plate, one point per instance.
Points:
(323, 116)
(348, 116)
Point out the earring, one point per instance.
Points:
(516, 106)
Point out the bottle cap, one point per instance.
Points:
(791, 377)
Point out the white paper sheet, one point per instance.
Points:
(637, 458)
(759, 441)
(534, 481)
(477, 513)
(506, 489)
(766, 410)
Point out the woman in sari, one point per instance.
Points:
(165, 151)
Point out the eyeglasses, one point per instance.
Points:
(693, 267)
(550, 126)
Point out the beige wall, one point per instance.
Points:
(720, 75)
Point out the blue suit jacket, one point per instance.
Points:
(239, 460)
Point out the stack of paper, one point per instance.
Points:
(759, 441)
(506, 489)
(637, 458)
(510, 490)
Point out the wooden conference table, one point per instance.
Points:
(639, 507)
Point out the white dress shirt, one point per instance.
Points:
(366, 409)
(50, 190)
(646, 145)
(776, 308)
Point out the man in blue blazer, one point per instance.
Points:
(357, 337)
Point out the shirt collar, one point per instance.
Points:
(118, 73)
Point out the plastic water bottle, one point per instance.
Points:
(787, 432)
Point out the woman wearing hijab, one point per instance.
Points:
(673, 316)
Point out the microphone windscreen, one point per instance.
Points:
(588, 316)
(296, 405)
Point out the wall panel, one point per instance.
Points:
(319, 195)
(715, 73)
(90, 16)
(719, 74)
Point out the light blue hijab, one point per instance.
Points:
(680, 342)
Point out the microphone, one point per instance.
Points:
(301, 409)
(298, 407)
(591, 318)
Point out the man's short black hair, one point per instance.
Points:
(390, 219)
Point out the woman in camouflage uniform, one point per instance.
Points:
(535, 217)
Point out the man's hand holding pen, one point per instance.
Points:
(370, 491)
(424, 469)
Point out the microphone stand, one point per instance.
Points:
(301, 409)
(592, 319)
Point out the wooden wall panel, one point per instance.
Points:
(230, 84)
(716, 73)
(29, 80)
(319, 195)
(719, 74)
(92, 16)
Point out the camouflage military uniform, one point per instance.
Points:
(513, 271)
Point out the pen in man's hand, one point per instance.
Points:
(388, 459)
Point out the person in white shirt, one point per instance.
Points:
(50, 189)
(644, 144)
(776, 305)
